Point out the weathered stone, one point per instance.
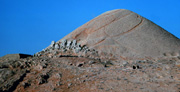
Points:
(64, 50)
(57, 46)
(63, 43)
(175, 54)
(78, 45)
(68, 44)
(80, 64)
(124, 63)
(43, 78)
(77, 49)
(38, 67)
(91, 62)
(39, 54)
(74, 43)
(58, 75)
(140, 61)
(26, 84)
(11, 79)
(52, 44)
(177, 63)
(55, 53)
(69, 85)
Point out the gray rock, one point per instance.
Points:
(77, 49)
(78, 45)
(59, 83)
(43, 79)
(39, 54)
(63, 43)
(140, 61)
(69, 84)
(91, 62)
(177, 63)
(74, 43)
(80, 64)
(9, 78)
(64, 50)
(57, 46)
(43, 50)
(52, 44)
(55, 52)
(68, 44)
(86, 50)
(124, 63)
(5, 73)
(59, 75)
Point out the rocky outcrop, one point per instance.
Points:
(12, 73)
(15, 56)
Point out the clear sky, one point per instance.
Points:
(28, 26)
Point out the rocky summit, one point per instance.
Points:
(118, 51)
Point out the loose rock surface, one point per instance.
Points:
(72, 74)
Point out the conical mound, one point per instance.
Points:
(125, 34)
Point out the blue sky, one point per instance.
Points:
(28, 26)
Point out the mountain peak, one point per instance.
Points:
(123, 33)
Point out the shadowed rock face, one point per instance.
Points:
(125, 34)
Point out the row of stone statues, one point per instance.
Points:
(65, 45)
